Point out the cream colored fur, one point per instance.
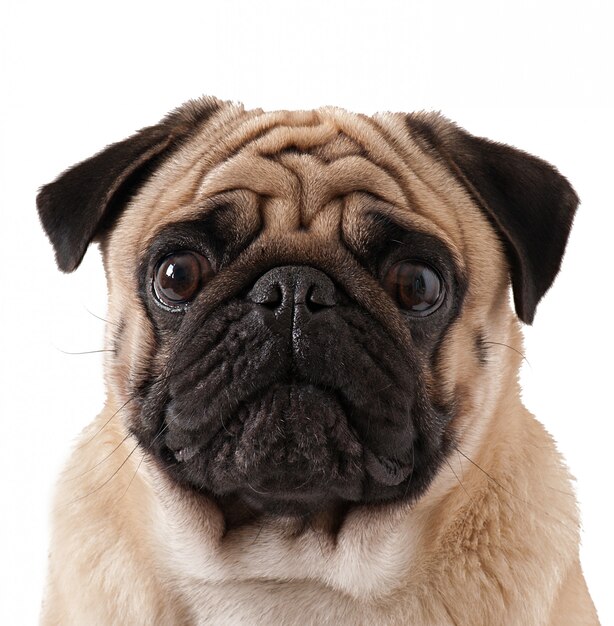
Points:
(494, 541)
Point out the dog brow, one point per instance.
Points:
(298, 186)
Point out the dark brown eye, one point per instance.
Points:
(415, 286)
(179, 276)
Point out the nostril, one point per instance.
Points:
(267, 293)
(273, 298)
(316, 299)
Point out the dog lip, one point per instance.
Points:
(385, 470)
(291, 381)
(187, 453)
(184, 453)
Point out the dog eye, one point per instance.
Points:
(415, 286)
(179, 276)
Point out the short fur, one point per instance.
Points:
(443, 502)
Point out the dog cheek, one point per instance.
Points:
(131, 365)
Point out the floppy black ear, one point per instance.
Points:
(530, 205)
(83, 202)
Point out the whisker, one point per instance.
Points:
(102, 319)
(224, 425)
(108, 480)
(85, 351)
(108, 456)
(308, 479)
(136, 471)
(262, 493)
(460, 463)
(257, 534)
(497, 343)
(411, 472)
(512, 494)
(82, 445)
(163, 377)
(458, 480)
(494, 480)
(133, 397)
(160, 433)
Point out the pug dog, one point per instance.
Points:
(313, 411)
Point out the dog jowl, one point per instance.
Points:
(296, 298)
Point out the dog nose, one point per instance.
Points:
(292, 286)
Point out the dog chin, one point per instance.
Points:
(290, 451)
(291, 446)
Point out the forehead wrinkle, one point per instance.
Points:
(313, 184)
(278, 187)
(383, 150)
(326, 224)
(308, 184)
(209, 170)
(340, 146)
(239, 131)
(303, 183)
(254, 127)
(252, 172)
(267, 145)
(390, 150)
(360, 129)
(230, 135)
(355, 173)
(283, 136)
(228, 132)
(255, 131)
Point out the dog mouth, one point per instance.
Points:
(289, 449)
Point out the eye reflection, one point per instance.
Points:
(180, 276)
(416, 287)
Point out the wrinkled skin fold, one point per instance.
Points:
(293, 444)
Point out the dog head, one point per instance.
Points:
(302, 304)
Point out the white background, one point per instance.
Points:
(78, 76)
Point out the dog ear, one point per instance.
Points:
(84, 202)
(530, 205)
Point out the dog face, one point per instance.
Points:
(303, 304)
